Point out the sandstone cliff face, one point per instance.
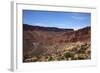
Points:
(42, 40)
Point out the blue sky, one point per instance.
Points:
(73, 20)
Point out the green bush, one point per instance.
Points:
(50, 58)
(68, 54)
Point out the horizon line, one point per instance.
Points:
(57, 27)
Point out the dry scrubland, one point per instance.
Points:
(50, 45)
(71, 51)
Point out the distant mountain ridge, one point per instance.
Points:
(30, 27)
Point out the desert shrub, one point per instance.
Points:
(50, 58)
(68, 54)
(75, 57)
(83, 48)
(75, 49)
(46, 57)
(59, 58)
(82, 56)
(62, 58)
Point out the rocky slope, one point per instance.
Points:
(42, 42)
